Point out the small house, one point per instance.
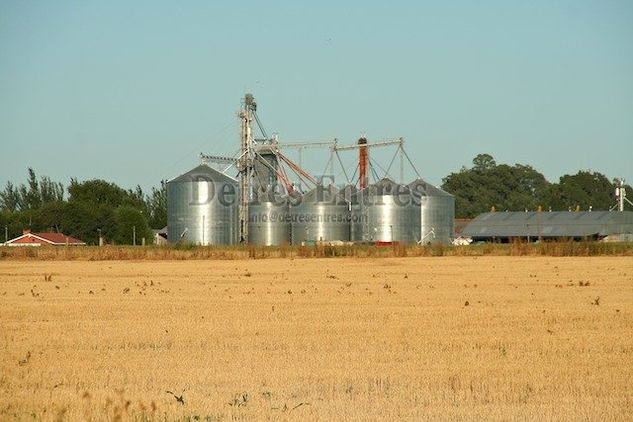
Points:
(44, 239)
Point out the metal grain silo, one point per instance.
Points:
(269, 219)
(388, 213)
(351, 195)
(437, 212)
(203, 208)
(321, 214)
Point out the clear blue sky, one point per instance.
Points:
(130, 92)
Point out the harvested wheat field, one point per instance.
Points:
(447, 338)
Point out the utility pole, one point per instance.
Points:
(134, 235)
(6, 234)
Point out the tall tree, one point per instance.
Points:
(15, 222)
(129, 223)
(50, 191)
(157, 206)
(31, 196)
(484, 162)
(52, 216)
(86, 221)
(96, 192)
(489, 185)
(584, 189)
(136, 198)
(10, 197)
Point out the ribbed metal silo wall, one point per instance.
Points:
(269, 223)
(356, 223)
(390, 218)
(388, 213)
(319, 219)
(437, 219)
(199, 211)
(437, 212)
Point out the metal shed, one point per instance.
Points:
(502, 226)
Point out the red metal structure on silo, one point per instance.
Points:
(363, 163)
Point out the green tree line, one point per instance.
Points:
(91, 208)
(488, 185)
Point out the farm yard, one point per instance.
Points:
(451, 338)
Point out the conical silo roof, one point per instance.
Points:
(327, 193)
(349, 193)
(269, 195)
(424, 188)
(386, 186)
(203, 172)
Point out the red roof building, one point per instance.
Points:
(44, 239)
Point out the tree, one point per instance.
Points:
(157, 206)
(489, 185)
(10, 198)
(484, 162)
(125, 209)
(129, 220)
(96, 192)
(52, 216)
(6, 221)
(136, 199)
(31, 196)
(50, 191)
(101, 193)
(527, 188)
(14, 221)
(85, 221)
(584, 189)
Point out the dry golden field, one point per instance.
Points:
(444, 338)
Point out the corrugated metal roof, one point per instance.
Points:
(549, 224)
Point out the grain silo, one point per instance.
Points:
(388, 212)
(351, 195)
(437, 212)
(269, 219)
(321, 214)
(203, 208)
